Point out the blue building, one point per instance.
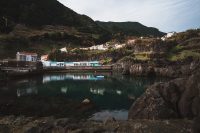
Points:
(71, 64)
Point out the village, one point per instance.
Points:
(31, 63)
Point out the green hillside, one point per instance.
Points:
(130, 28)
(42, 26)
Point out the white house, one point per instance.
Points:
(25, 56)
(63, 49)
(170, 34)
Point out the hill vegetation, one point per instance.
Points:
(42, 26)
(130, 29)
(180, 47)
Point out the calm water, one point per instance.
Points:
(61, 95)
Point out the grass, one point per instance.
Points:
(179, 53)
(143, 56)
(183, 55)
(106, 60)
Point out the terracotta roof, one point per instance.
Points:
(27, 53)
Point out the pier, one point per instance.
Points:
(78, 69)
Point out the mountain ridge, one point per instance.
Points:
(130, 28)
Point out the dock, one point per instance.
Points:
(106, 68)
(17, 72)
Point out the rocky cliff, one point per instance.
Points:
(173, 57)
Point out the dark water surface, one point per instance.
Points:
(61, 95)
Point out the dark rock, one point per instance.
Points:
(157, 68)
(86, 101)
(109, 120)
(151, 106)
(196, 125)
(179, 98)
(4, 129)
(61, 122)
(43, 125)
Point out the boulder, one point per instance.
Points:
(86, 101)
(179, 98)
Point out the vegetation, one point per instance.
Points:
(188, 46)
(130, 29)
(47, 23)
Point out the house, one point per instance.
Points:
(102, 47)
(64, 50)
(44, 57)
(25, 56)
(168, 35)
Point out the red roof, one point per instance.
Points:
(27, 53)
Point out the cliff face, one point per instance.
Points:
(171, 58)
(157, 68)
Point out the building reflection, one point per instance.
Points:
(97, 91)
(49, 78)
(27, 91)
(64, 90)
(119, 92)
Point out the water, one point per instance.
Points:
(61, 95)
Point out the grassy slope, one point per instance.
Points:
(188, 46)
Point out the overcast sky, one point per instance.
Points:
(166, 15)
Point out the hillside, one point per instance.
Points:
(130, 28)
(45, 25)
(44, 12)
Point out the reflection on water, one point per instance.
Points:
(117, 114)
(64, 90)
(111, 96)
(59, 77)
(97, 91)
(27, 91)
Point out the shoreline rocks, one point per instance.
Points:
(157, 68)
(179, 98)
(20, 124)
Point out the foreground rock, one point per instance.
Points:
(11, 124)
(179, 98)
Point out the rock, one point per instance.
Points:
(109, 120)
(4, 129)
(151, 106)
(196, 125)
(86, 101)
(36, 125)
(179, 98)
(160, 67)
(61, 122)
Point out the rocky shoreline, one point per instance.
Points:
(20, 124)
(157, 68)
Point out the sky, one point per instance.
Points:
(166, 15)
